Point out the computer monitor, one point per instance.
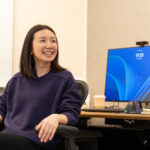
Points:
(128, 74)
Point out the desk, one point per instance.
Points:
(114, 115)
(138, 132)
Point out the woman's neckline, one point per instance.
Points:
(44, 75)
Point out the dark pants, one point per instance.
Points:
(15, 142)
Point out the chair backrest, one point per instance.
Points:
(83, 89)
(1, 90)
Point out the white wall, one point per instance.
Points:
(66, 17)
(113, 24)
(6, 40)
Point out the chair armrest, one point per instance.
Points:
(66, 130)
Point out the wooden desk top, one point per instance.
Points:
(115, 115)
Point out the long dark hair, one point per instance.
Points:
(27, 63)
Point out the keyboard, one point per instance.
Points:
(106, 109)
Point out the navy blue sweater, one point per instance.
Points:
(25, 102)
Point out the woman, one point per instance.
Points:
(41, 96)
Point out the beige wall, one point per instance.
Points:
(113, 24)
(66, 17)
(110, 24)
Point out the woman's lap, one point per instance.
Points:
(15, 142)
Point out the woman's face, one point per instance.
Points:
(44, 46)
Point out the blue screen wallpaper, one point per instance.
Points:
(128, 74)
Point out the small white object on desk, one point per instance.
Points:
(145, 111)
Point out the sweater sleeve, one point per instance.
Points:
(70, 102)
(3, 102)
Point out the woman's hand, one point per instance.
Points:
(1, 119)
(48, 126)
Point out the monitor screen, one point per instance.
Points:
(128, 74)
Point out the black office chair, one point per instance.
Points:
(1, 92)
(73, 135)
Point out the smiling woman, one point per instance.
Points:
(41, 96)
(40, 50)
(6, 35)
(44, 49)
